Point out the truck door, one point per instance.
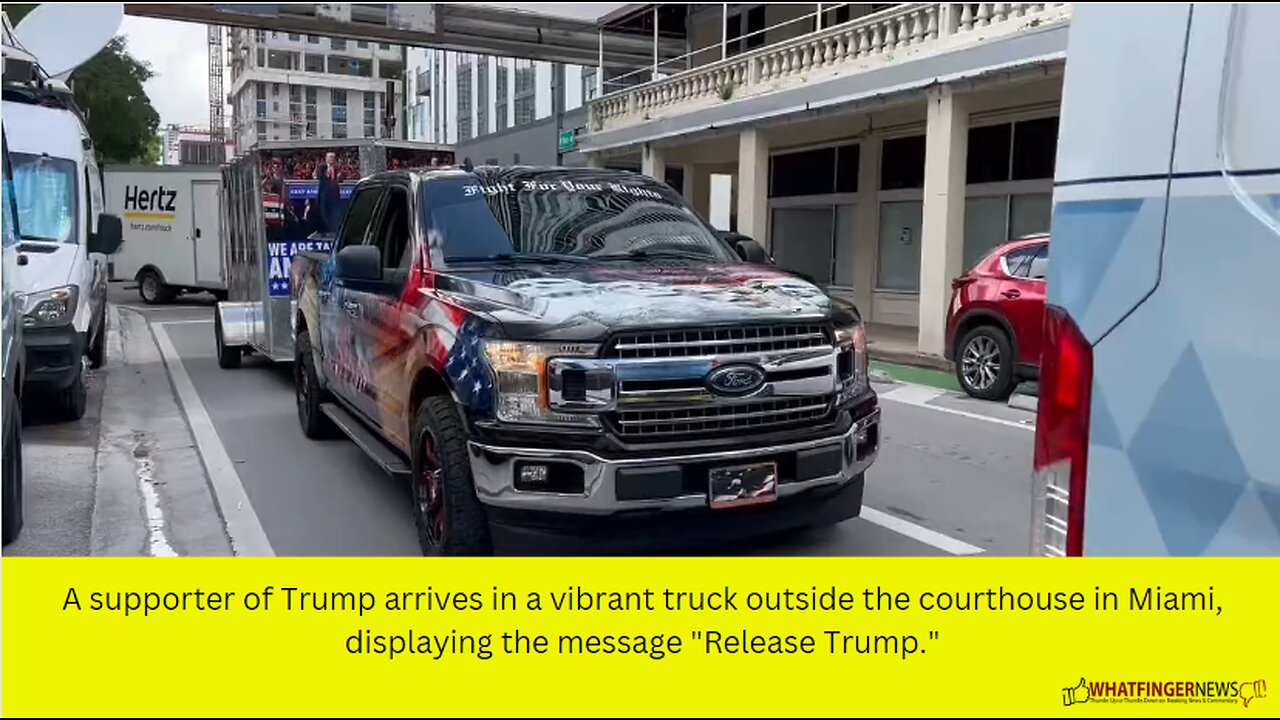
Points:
(340, 307)
(387, 330)
(206, 233)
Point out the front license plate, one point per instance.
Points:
(743, 485)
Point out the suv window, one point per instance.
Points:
(1018, 262)
(359, 215)
(1039, 265)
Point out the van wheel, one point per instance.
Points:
(307, 392)
(13, 478)
(228, 357)
(984, 363)
(73, 399)
(448, 515)
(152, 290)
(98, 348)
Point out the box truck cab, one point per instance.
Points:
(172, 229)
(1156, 429)
(63, 239)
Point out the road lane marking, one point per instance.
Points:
(920, 533)
(922, 395)
(243, 526)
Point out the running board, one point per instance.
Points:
(373, 446)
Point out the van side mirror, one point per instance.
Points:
(358, 262)
(110, 235)
(752, 251)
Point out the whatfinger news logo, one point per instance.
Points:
(1173, 692)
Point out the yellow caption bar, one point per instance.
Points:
(635, 637)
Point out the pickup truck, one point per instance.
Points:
(563, 359)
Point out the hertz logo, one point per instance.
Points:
(149, 204)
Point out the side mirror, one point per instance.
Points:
(752, 251)
(110, 235)
(358, 262)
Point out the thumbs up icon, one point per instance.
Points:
(1077, 694)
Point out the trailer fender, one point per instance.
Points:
(237, 320)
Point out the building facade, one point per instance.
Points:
(191, 145)
(291, 86)
(880, 149)
(496, 109)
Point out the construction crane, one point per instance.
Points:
(216, 100)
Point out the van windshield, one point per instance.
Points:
(46, 195)
(514, 215)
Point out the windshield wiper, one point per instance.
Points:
(517, 258)
(642, 253)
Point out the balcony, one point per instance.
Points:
(896, 35)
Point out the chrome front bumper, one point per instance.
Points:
(494, 467)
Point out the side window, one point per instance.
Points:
(1018, 262)
(1038, 268)
(359, 215)
(393, 238)
(9, 200)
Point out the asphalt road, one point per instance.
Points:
(953, 475)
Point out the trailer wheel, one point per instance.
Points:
(152, 290)
(228, 356)
(448, 515)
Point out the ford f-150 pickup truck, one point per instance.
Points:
(572, 359)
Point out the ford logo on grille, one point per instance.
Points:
(735, 379)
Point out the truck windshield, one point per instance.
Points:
(510, 216)
(46, 194)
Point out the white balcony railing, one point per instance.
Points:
(905, 31)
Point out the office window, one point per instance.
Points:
(902, 163)
(814, 172)
(362, 44)
(337, 43)
(525, 92)
(988, 156)
(384, 46)
(464, 101)
(482, 97)
(313, 39)
(370, 105)
(338, 112)
(314, 63)
(260, 36)
(262, 57)
(1035, 145)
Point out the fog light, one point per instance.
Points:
(533, 475)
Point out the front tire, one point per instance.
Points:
(98, 349)
(152, 290)
(448, 515)
(307, 392)
(73, 399)
(13, 515)
(985, 363)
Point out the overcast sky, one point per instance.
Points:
(178, 54)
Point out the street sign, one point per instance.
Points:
(568, 140)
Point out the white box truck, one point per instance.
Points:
(172, 229)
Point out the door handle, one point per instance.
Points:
(353, 308)
(1011, 293)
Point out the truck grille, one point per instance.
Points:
(718, 341)
(766, 415)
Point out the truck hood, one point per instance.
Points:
(49, 265)
(584, 301)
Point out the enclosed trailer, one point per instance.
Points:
(172, 228)
(279, 199)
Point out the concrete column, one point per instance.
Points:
(942, 231)
(753, 186)
(594, 160)
(698, 177)
(653, 162)
(686, 174)
(867, 225)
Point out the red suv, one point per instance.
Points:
(995, 322)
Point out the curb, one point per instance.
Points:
(151, 493)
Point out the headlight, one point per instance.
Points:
(520, 369)
(851, 364)
(50, 308)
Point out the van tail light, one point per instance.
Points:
(1062, 438)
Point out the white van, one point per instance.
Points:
(172, 229)
(63, 242)
(1156, 432)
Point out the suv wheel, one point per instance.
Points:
(984, 363)
(448, 515)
